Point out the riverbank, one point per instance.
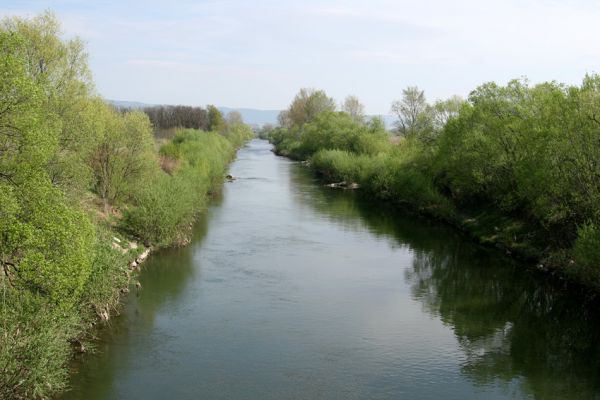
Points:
(85, 191)
(39, 337)
(510, 234)
(337, 297)
(491, 168)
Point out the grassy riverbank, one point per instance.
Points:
(85, 189)
(515, 167)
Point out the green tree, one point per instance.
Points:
(124, 154)
(60, 68)
(305, 107)
(444, 110)
(216, 122)
(45, 246)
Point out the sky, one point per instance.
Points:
(258, 54)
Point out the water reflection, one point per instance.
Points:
(516, 328)
(164, 277)
(299, 291)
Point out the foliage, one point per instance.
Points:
(216, 122)
(527, 155)
(159, 217)
(166, 117)
(391, 176)
(353, 107)
(531, 150)
(60, 72)
(237, 133)
(412, 112)
(124, 154)
(34, 345)
(586, 249)
(107, 276)
(330, 130)
(63, 152)
(305, 107)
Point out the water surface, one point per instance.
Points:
(290, 290)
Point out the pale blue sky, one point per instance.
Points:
(259, 53)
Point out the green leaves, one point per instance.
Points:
(160, 218)
(527, 149)
(49, 245)
(123, 156)
(332, 130)
(58, 143)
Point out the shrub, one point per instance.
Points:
(587, 246)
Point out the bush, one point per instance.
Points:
(330, 131)
(108, 275)
(587, 246)
(157, 216)
(35, 345)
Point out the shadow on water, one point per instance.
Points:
(163, 280)
(513, 324)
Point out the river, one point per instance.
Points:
(290, 290)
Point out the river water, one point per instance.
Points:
(290, 290)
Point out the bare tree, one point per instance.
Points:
(412, 111)
(234, 118)
(166, 117)
(354, 108)
(283, 119)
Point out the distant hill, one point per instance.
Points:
(129, 104)
(251, 116)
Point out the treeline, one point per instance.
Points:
(81, 185)
(168, 117)
(516, 166)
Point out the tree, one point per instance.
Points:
(444, 110)
(123, 155)
(167, 117)
(354, 108)
(216, 123)
(283, 119)
(45, 245)
(60, 67)
(412, 112)
(234, 118)
(307, 104)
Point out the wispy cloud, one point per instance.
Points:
(259, 53)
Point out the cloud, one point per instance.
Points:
(371, 49)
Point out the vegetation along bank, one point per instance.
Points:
(515, 166)
(85, 190)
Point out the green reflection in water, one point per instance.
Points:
(164, 276)
(284, 298)
(512, 323)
